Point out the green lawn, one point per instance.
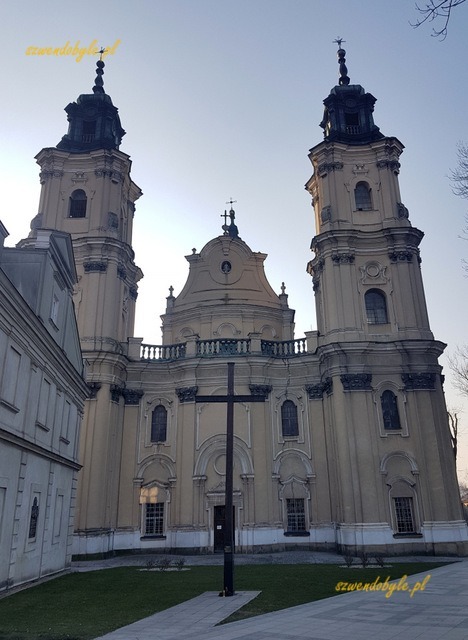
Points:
(81, 606)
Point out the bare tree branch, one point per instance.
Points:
(437, 9)
(459, 365)
(453, 426)
(459, 179)
(459, 176)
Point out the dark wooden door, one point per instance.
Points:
(219, 527)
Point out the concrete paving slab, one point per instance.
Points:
(195, 616)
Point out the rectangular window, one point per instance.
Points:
(296, 514)
(159, 424)
(44, 405)
(58, 515)
(33, 518)
(2, 507)
(54, 310)
(289, 421)
(154, 518)
(89, 131)
(10, 376)
(404, 515)
(65, 422)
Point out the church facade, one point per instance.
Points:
(349, 448)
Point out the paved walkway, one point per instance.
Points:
(194, 617)
(438, 610)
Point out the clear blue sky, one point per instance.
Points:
(223, 98)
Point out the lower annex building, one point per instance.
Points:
(351, 448)
(42, 395)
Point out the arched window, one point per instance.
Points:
(376, 307)
(289, 422)
(34, 516)
(362, 197)
(78, 202)
(391, 417)
(159, 424)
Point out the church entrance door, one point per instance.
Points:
(219, 527)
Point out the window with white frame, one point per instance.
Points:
(404, 515)
(154, 519)
(376, 307)
(295, 512)
(362, 197)
(77, 204)
(159, 424)
(289, 421)
(390, 415)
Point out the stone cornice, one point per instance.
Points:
(97, 266)
(418, 381)
(316, 391)
(356, 381)
(93, 389)
(23, 444)
(132, 396)
(261, 390)
(186, 394)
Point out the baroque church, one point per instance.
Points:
(349, 448)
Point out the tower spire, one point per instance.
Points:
(94, 122)
(344, 78)
(99, 82)
(348, 110)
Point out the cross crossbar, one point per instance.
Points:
(230, 399)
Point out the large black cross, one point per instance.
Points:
(230, 399)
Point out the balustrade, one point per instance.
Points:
(285, 348)
(162, 352)
(223, 347)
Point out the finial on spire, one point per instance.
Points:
(344, 78)
(99, 82)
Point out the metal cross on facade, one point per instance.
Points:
(225, 216)
(229, 542)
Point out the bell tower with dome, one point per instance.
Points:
(87, 191)
(375, 343)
